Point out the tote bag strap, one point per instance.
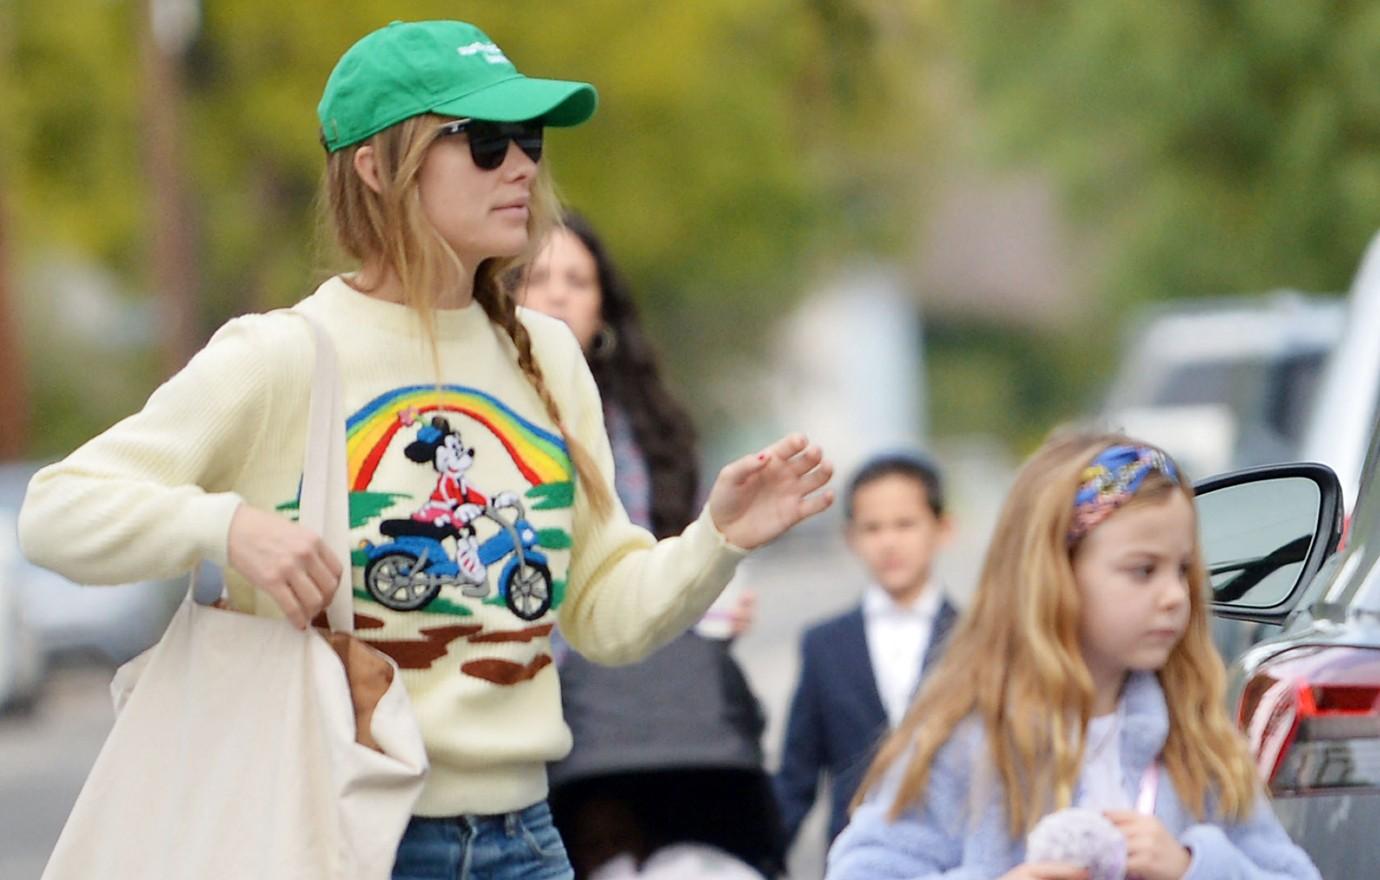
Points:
(325, 499)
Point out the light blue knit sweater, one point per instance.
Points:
(958, 830)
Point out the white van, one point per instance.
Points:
(1225, 383)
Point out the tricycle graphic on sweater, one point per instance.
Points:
(408, 571)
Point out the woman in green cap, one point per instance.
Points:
(468, 420)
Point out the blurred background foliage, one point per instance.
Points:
(742, 151)
(1205, 147)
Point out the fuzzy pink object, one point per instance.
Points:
(1079, 837)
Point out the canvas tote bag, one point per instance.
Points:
(245, 748)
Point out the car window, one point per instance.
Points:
(1203, 382)
(1293, 382)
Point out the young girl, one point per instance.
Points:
(435, 186)
(1083, 675)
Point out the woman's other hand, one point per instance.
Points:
(757, 498)
(287, 561)
(742, 613)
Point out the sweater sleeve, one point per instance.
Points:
(930, 840)
(628, 594)
(1256, 849)
(150, 497)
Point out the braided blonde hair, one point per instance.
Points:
(390, 228)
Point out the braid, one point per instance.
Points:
(502, 310)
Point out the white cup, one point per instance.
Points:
(718, 622)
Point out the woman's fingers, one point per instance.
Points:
(308, 594)
(806, 460)
(333, 565)
(794, 450)
(287, 601)
(742, 470)
(816, 478)
(815, 504)
(787, 447)
(324, 572)
(287, 561)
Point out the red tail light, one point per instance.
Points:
(1312, 716)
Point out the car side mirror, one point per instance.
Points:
(1265, 533)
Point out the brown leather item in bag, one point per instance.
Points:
(369, 676)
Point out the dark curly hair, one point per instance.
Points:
(628, 372)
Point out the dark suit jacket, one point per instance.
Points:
(837, 719)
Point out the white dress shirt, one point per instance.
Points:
(897, 637)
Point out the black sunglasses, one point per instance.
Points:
(489, 140)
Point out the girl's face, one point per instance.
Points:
(1132, 577)
(480, 214)
(563, 282)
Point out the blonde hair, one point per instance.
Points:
(1015, 662)
(389, 228)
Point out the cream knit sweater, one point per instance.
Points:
(155, 494)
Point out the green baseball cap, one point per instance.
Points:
(446, 67)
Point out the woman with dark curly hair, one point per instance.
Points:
(667, 764)
(656, 468)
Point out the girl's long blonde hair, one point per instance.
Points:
(1015, 662)
(389, 228)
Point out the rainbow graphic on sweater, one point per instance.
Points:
(540, 455)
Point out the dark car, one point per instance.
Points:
(1307, 699)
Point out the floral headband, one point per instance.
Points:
(1110, 481)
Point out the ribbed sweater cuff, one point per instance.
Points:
(206, 519)
(720, 555)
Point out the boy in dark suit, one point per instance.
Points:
(860, 670)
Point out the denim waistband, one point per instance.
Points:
(511, 823)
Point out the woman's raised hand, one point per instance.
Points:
(757, 498)
(287, 561)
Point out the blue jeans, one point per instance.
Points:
(509, 846)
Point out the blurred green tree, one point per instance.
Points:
(739, 145)
(1200, 148)
(1208, 147)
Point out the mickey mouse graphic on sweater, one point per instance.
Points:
(455, 501)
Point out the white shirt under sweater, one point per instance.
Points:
(155, 494)
(1102, 780)
(897, 638)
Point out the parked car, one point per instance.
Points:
(1347, 395)
(110, 624)
(1225, 383)
(1296, 549)
(21, 658)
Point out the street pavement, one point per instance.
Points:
(46, 753)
